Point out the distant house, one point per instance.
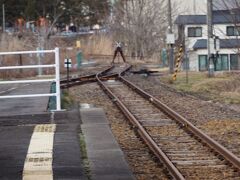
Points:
(189, 7)
(192, 33)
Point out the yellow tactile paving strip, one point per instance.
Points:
(38, 162)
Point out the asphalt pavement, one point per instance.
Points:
(23, 106)
(36, 143)
(42, 145)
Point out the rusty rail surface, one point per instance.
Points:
(228, 155)
(82, 79)
(92, 77)
(101, 76)
(142, 132)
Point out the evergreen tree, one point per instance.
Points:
(86, 12)
(13, 10)
(30, 10)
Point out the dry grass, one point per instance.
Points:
(99, 45)
(223, 87)
(90, 45)
(26, 43)
(7, 44)
(104, 45)
(94, 44)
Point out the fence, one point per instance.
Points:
(56, 79)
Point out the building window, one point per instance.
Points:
(233, 31)
(221, 63)
(234, 62)
(202, 59)
(194, 32)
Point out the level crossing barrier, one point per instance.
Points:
(56, 79)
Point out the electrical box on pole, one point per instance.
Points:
(217, 43)
(211, 46)
(170, 39)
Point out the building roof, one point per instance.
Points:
(224, 44)
(219, 17)
(227, 4)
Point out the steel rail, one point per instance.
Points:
(116, 74)
(142, 132)
(83, 79)
(63, 81)
(91, 78)
(228, 155)
(79, 82)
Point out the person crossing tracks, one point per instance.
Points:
(118, 49)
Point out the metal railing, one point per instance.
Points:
(56, 79)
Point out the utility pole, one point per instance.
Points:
(3, 11)
(210, 38)
(170, 32)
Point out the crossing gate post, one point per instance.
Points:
(177, 66)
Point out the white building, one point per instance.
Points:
(199, 7)
(192, 33)
(189, 7)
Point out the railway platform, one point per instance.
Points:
(37, 144)
(31, 149)
(105, 157)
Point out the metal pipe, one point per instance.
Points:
(27, 81)
(27, 67)
(26, 52)
(57, 73)
(27, 96)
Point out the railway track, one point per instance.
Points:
(105, 73)
(186, 151)
(81, 79)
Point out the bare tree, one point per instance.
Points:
(141, 24)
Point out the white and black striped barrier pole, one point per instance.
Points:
(67, 64)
